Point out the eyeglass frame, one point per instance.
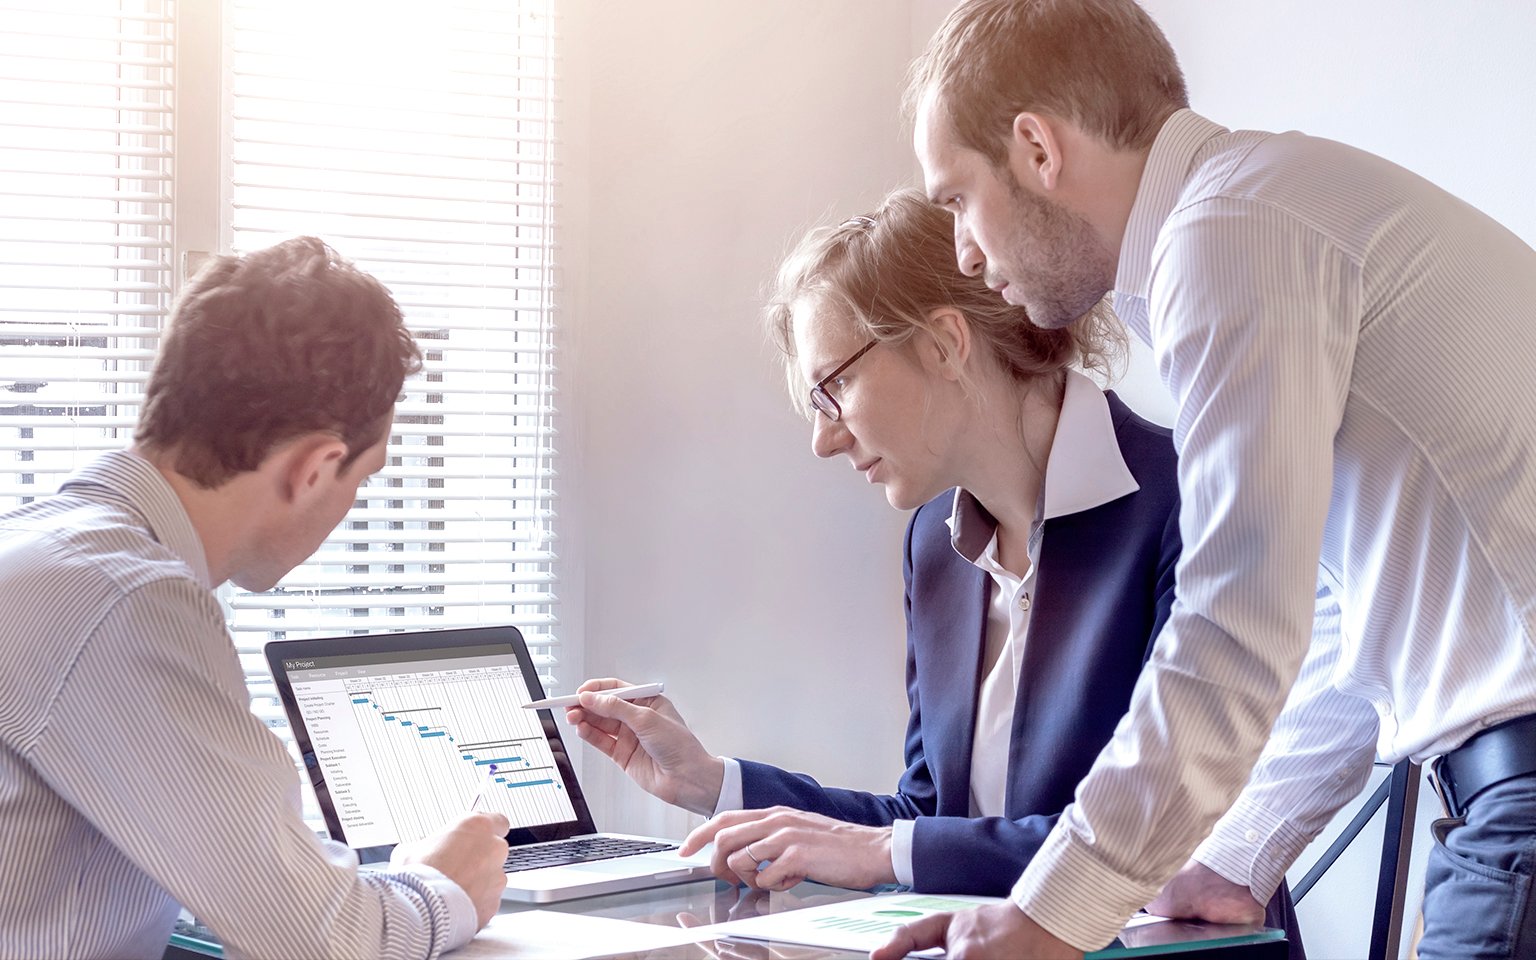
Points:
(822, 400)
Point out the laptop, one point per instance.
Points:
(402, 733)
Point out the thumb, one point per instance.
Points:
(615, 708)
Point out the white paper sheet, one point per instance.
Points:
(849, 925)
(551, 935)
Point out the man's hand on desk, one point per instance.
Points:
(996, 930)
(470, 853)
(1197, 892)
(795, 846)
(649, 740)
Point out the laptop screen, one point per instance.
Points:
(401, 738)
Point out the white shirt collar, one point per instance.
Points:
(1162, 183)
(1084, 469)
(135, 481)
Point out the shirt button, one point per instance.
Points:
(1024, 603)
(1252, 836)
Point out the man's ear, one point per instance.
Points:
(1035, 150)
(948, 345)
(308, 462)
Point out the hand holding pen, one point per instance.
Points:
(649, 741)
(637, 691)
(480, 793)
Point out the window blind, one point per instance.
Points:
(418, 141)
(86, 143)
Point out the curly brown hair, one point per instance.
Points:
(261, 348)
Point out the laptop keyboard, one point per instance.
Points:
(579, 850)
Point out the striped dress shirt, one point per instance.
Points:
(1350, 349)
(133, 776)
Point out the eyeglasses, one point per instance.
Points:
(823, 400)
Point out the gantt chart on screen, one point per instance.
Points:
(407, 747)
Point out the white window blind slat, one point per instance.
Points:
(321, 582)
(62, 194)
(373, 617)
(261, 162)
(24, 54)
(48, 18)
(98, 148)
(32, 259)
(39, 245)
(86, 315)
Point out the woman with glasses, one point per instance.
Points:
(1039, 568)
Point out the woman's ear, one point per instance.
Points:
(947, 348)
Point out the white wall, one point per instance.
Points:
(711, 549)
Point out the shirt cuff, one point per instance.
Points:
(730, 788)
(1075, 897)
(1252, 847)
(901, 851)
(463, 919)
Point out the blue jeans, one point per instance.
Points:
(1478, 901)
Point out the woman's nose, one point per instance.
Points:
(828, 437)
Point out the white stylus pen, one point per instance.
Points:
(637, 692)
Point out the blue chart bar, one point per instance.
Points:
(359, 699)
(436, 733)
(390, 717)
(481, 763)
(530, 783)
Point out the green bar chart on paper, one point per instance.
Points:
(849, 925)
(890, 916)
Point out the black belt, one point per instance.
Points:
(1493, 756)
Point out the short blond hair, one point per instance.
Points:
(1103, 65)
(886, 272)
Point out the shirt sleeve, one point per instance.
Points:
(151, 739)
(1317, 759)
(730, 788)
(901, 850)
(1253, 328)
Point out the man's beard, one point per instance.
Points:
(1072, 272)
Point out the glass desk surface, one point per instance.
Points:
(710, 901)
